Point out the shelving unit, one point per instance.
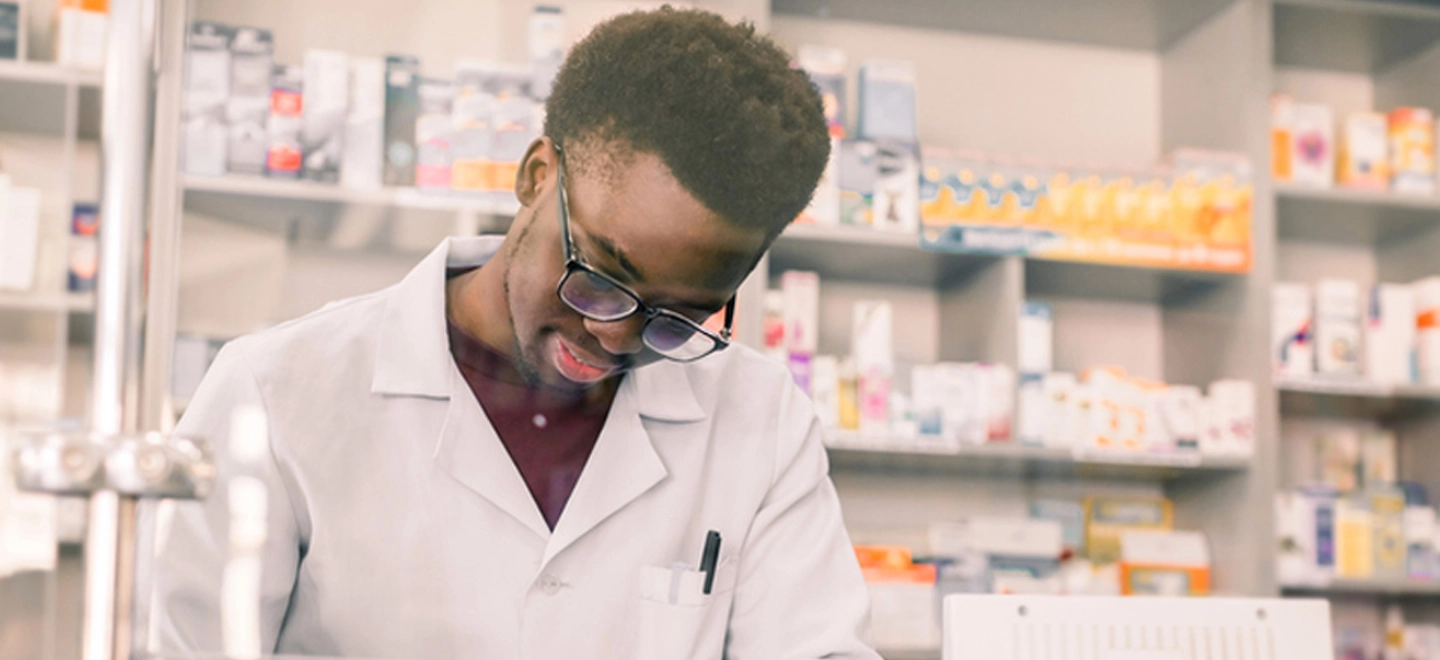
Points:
(246, 188)
(1370, 587)
(1357, 56)
(59, 302)
(1012, 460)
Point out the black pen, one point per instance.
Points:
(709, 558)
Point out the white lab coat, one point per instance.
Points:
(399, 527)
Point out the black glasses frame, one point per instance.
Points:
(573, 264)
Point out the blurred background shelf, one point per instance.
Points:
(1353, 216)
(1355, 398)
(926, 654)
(1375, 586)
(1126, 24)
(1008, 459)
(1366, 36)
(47, 302)
(306, 191)
(47, 73)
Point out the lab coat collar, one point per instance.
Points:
(413, 353)
(413, 350)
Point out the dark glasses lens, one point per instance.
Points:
(595, 296)
(677, 338)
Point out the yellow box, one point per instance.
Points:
(1106, 517)
(1364, 161)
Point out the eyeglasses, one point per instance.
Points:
(597, 296)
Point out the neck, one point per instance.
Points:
(477, 303)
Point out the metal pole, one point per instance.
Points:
(124, 151)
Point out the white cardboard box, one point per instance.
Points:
(1337, 327)
(1292, 347)
(1390, 334)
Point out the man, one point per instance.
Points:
(521, 450)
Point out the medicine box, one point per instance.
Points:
(1340, 459)
(283, 151)
(433, 133)
(205, 135)
(1412, 150)
(1035, 338)
(1354, 540)
(896, 200)
(252, 57)
(322, 133)
(1313, 145)
(801, 292)
(1337, 327)
(999, 384)
(1232, 410)
(1282, 130)
(473, 117)
(887, 100)
(874, 359)
(858, 174)
(363, 160)
(1033, 410)
(19, 235)
(1292, 351)
(1364, 161)
(1378, 459)
(1427, 330)
(81, 29)
(84, 248)
(515, 123)
(402, 109)
(1390, 334)
(1164, 563)
(1107, 517)
(547, 48)
(1387, 508)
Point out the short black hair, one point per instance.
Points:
(739, 128)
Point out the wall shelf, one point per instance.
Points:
(47, 302)
(1351, 36)
(47, 73)
(1372, 586)
(1355, 398)
(308, 191)
(1353, 216)
(1010, 460)
(1128, 24)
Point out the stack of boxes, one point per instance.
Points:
(1103, 545)
(362, 122)
(1376, 151)
(1390, 337)
(873, 179)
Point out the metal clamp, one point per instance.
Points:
(143, 465)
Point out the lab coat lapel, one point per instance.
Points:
(625, 464)
(471, 451)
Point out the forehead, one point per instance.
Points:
(634, 210)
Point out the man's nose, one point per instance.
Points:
(618, 337)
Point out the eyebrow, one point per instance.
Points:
(608, 247)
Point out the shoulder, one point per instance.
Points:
(340, 333)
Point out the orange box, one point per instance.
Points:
(1163, 580)
(884, 557)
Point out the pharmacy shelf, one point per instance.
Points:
(869, 255)
(1129, 24)
(308, 191)
(47, 73)
(1371, 587)
(1353, 398)
(1349, 35)
(47, 302)
(872, 256)
(1009, 460)
(1353, 216)
(1045, 278)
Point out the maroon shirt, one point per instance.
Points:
(548, 433)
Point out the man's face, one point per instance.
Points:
(635, 223)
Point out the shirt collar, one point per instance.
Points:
(413, 350)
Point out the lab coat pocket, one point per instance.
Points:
(677, 620)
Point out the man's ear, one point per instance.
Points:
(535, 171)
